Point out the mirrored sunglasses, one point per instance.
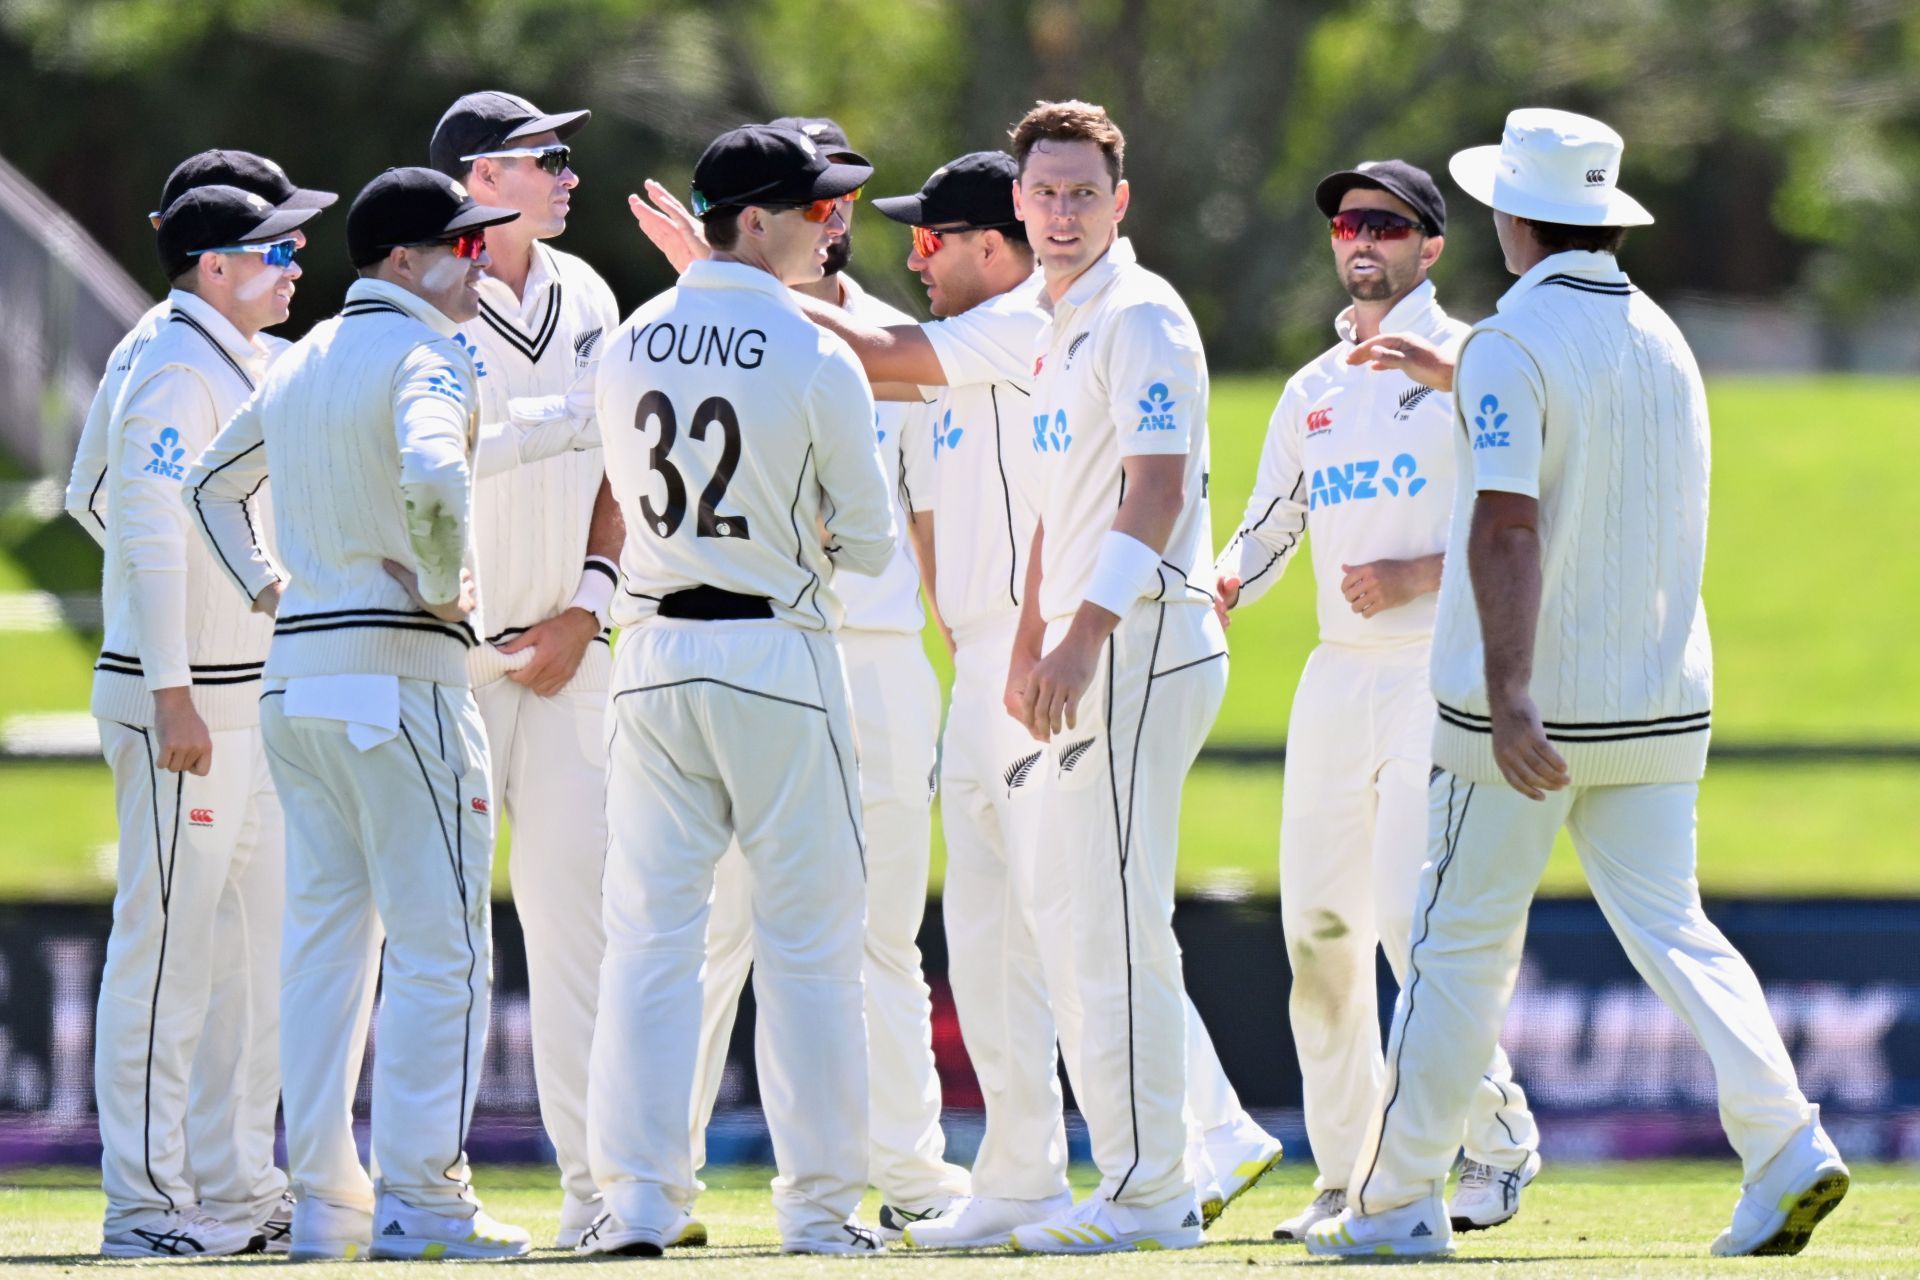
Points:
(551, 158)
(277, 253)
(1378, 224)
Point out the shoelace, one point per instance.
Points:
(1332, 1201)
(1474, 1175)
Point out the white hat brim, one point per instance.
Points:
(1478, 172)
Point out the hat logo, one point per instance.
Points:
(459, 191)
(256, 203)
(273, 167)
(806, 144)
(1596, 177)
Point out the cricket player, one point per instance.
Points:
(749, 477)
(546, 535)
(1116, 611)
(369, 426)
(1363, 462)
(1573, 676)
(187, 1163)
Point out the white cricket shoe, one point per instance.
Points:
(1330, 1203)
(852, 1237)
(324, 1232)
(1098, 1225)
(181, 1233)
(1415, 1230)
(894, 1221)
(276, 1229)
(1231, 1158)
(982, 1222)
(688, 1232)
(577, 1217)
(608, 1235)
(402, 1231)
(1486, 1197)
(1778, 1210)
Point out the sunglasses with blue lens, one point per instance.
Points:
(278, 253)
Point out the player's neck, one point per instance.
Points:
(512, 255)
(1370, 313)
(231, 313)
(827, 289)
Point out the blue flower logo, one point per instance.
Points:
(945, 434)
(1404, 467)
(1489, 408)
(167, 456)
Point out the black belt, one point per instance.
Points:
(711, 604)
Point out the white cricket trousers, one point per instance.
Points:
(1487, 846)
(186, 1039)
(550, 773)
(393, 841)
(896, 721)
(1108, 836)
(724, 730)
(1353, 837)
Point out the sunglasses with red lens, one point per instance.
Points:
(1378, 224)
(926, 241)
(468, 244)
(821, 210)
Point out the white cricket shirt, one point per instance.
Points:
(1364, 462)
(1121, 373)
(986, 472)
(736, 433)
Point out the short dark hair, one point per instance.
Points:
(722, 226)
(1561, 237)
(1072, 121)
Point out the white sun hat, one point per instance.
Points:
(1552, 166)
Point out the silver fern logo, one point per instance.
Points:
(1409, 401)
(1070, 755)
(1019, 771)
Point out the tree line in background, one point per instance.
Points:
(1777, 141)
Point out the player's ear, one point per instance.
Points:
(1018, 212)
(1430, 251)
(1122, 194)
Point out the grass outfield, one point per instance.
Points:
(1641, 1219)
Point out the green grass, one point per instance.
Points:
(1654, 1219)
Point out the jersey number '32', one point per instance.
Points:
(713, 411)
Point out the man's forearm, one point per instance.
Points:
(1033, 628)
(891, 353)
(1503, 558)
(607, 530)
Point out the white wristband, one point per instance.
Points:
(595, 592)
(1126, 569)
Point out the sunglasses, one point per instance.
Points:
(1377, 223)
(812, 210)
(927, 240)
(278, 253)
(551, 158)
(468, 244)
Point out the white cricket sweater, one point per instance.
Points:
(1581, 392)
(531, 522)
(368, 427)
(173, 617)
(1362, 462)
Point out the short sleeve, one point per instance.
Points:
(1155, 372)
(1500, 402)
(993, 342)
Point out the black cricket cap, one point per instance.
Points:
(218, 216)
(242, 169)
(413, 206)
(824, 133)
(492, 121)
(766, 165)
(1413, 185)
(973, 192)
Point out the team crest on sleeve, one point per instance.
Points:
(1156, 409)
(945, 434)
(473, 352)
(1489, 424)
(444, 382)
(168, 456)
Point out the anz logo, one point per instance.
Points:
(473, 352)
(1050, 433)
(1489, 424)
(1157, 410)
(945, 434)
(1358, 481)
(167, 456)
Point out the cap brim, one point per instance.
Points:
(302, 198)
(480, 215)
(277, 225)
(908, 209)
(563, 124)
(839, 179)
(1478, 172)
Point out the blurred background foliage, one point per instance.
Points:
(1778, 141)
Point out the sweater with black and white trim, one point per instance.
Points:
(368, 427)
(1581, 392)
(173, 618)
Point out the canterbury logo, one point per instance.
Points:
(1596, 177)
(1071, 755)
(479, 805)
(200, 817)
(1319, 420)
(1409, 400)
(1019, 771)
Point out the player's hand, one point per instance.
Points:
(675, 232)
(1415, 357)
(558, 645)
(1051, 700)
(458, 609)
(1019, 667)
(1527, 760)
(1226, 595)
(268, 601)
(185, 746)
(1379, 585)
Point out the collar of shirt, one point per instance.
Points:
(1417, 313)
(368, 290)
(1095, 278)
(709, 274)
(540, 277)
(1599, 267)
(217, 327)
